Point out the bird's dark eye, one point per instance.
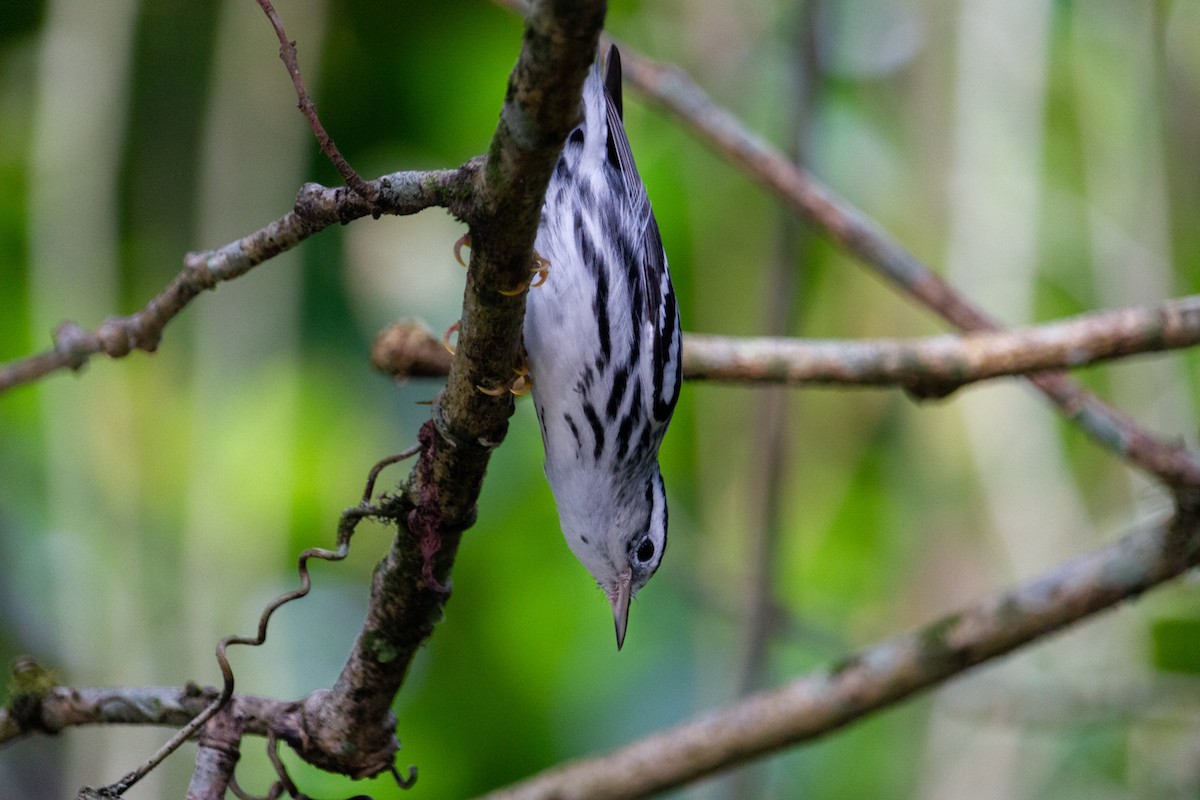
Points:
(645, 551)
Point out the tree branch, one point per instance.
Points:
(821, 207)
(60, 707)
(879, 676)
(291, 62)
(316, 208)
(929, 367)
(350, 728)
(937, 366)
(217, 754)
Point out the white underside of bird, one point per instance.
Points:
(602, 339)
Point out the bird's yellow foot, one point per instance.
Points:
(523, 382)
(520, 385)
(540, 269)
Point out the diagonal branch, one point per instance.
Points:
(930, 367)
(677, 93)
(877, 678)
(880, 676)
(350, 728)
(316, 209)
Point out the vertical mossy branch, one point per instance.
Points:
(350, 728)
(541, 106)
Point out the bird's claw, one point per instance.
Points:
(463, 241)
(446, 337)
(523, 382)
(518, 386)
(540, 270)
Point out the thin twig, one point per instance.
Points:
(287, 53)
(345, 529)
(189, 730)
(879, 676)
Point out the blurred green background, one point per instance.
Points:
(1042, 155)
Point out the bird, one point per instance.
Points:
(603, 348)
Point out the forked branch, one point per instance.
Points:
(351, 725)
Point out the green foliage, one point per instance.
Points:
(1176, 643)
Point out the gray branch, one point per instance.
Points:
(879, 676)
(316, 209)
(858, 234)
(937, 366)
(52, 709)
(929, 367)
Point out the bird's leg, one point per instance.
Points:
(541, 268)
(523, 382)
(518, 386)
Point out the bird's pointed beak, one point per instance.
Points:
(618, 595)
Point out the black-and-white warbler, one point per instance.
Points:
(603, 343)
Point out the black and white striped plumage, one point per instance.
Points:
(603, 342)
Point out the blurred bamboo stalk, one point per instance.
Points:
(770, 454)
(83, 80)
(1032, 508)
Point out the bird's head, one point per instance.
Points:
(618, 533)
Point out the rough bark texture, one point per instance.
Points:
(350, 729)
